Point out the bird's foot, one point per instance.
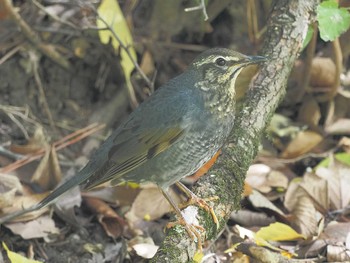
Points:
(194, 231)
(193, 199)
(202, 203)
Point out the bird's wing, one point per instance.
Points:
(148, 132)
(131, 150)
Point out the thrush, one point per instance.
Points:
(180, 127)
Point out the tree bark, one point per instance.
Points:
(286, 31)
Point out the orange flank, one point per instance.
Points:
(205, 168)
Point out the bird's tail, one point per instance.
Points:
(77, 179)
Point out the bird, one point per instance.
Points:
(171, 135)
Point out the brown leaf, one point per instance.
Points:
(9, 186)
(48, 173)
(338, 177)
(38, 228)
(322, 72)
(111, 222)
(301, 144)
(35, 143)
(302, 208)
(22, 202)
(337, 253)
(340, 126)
(309, 112)
(260, 201)
(144, 205)
(147, 63)
(316, 188)
(262, 178)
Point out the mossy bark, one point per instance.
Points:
(286, 30)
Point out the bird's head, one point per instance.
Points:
(217, 70)
(221, 65)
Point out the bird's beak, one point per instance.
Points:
(254, 60)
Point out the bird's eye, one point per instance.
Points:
(220, 62)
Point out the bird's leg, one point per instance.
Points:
(192, 230)
(195, 200)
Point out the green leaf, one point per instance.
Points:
(310, 32)
(110, 12)
(16, 258)
(332, 20)
(342, 157)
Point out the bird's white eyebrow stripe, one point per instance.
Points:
(212, 58)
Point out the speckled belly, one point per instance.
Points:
(183, 158)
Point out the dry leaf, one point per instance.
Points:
(340, 126)
(144, 205)
(260, 201)
(262, 178)
(301, 144)
(145, 250)
(123, 195)
(309, 112)
(9, 186)
(278, 232)
(322, 72)
(256, 177)
(338, 177)
(248, 218)
(300, 204)
(38, 228)
(48, 173)
(35, 143)
(22, 202)
(111, 222)
(337, 253)
(336, 232)
(147, 63)
(317, 190)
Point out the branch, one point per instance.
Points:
(286, 31)
(34, 38)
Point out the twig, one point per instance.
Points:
(53, 16)
(46, 49)
(34, 60)
(252, 21)
(126, 49)
(202, 7)
(12, 111)
(310, 53)
(69, 139)
(10, 54)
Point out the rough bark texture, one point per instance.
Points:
(286, 30)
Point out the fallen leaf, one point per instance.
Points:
(144, 208)
(249, 218)
(340, 126)
(322, 72)
(299, 203)
(17, 258)
(309, 112)
(111, 222)
(260, 201)
(278, 232)
(9, 186)
(110, 12)
(48, 173)
(338, 178)
(145, 250)
(301, 144)
(38, 228)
